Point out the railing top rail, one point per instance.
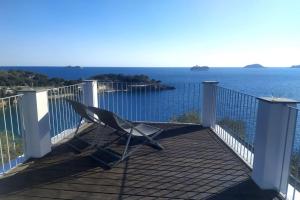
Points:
(13, 96)
(222, 87)
(55, 88)
(127, 82)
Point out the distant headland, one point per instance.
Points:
(199, 68)
(295, 66)
(13, 80)
(254, 66)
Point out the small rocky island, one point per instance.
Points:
(295, 66)
(254, 66)
(199, 68)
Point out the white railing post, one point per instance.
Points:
(90, 92)
(273, 143)
(34, 105)
(209, 103)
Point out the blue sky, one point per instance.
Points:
(149, 32)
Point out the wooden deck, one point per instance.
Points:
(195, 164)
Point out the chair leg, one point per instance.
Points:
(127, 145)
(151, 139)
(79, 123)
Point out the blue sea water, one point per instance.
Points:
(278, 82)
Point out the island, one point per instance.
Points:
(295, 66)
(199, 68)
(70, 66)
(254, 66)
(129, 82)
(13, 80)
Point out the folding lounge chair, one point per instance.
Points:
(128, 130)
(125, 128)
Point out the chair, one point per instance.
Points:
(128, 130)
(124, 129)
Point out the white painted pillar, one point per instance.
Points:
(37, 137)
(273, 143)
(209, 103)
(90, 92)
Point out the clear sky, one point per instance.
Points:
(149, 32)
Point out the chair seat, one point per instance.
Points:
(146, 129)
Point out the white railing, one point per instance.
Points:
(63, 120)
(293, 188)
(11, 133)
(236, 121)
(152, 103)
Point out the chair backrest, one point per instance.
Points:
(80, 109)
(108, 118)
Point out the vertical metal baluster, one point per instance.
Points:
(183, 95)
(56, 117)
(229, 110)
(122, 97)
(221, 108)
(12, 129)
(117, 98)
(60, 114)
(200, 100)
(145, 103)
(227, 99)
(235, 118)
(238, 138)
(113, 97)
(1, 153)
(126, 96)
(150, 102)
(240, 118)
(131, 104)
(73, 112)
(69, 108)
(17, 116)
(50, 111)
(136, 102)
(158, 103)
(108, 98)
(252, 153)
(247, 136)
(245, 124)
(230, 116)
(6, 134)
(140, 118)
(63, 101)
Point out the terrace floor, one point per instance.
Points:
(195, 164)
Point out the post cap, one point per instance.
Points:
(210, 82)
(277, 100)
